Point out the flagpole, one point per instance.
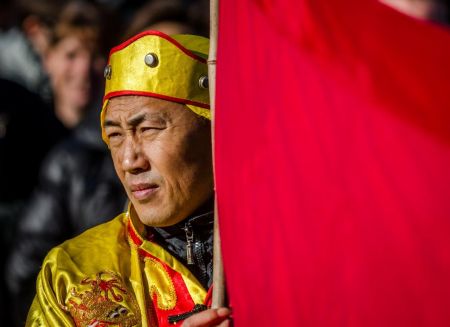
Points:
(218, 295)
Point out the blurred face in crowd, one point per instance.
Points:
(162, 154)
(74, 69)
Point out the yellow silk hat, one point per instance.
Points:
(154, 64)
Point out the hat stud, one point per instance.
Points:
(107, 72)
(203, 82)
(151, 60)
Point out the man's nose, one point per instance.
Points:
(133, 160)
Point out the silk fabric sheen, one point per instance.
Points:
(152, 284)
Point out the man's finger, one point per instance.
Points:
(208, 318)
(225, 323)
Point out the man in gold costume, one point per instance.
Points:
(152, 265)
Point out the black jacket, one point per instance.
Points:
(28, 130)
(78, 188)
(199, 227)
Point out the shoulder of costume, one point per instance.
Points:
(94, 241)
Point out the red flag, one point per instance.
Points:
(333, 164)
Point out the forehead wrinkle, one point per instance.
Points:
(139, 110)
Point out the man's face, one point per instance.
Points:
(162, 154)
(73, 69)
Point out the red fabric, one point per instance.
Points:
(155, 95)
(333, 164)
(184, 301)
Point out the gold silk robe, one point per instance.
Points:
(112, 276)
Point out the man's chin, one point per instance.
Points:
(158, 220)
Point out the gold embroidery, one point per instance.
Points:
(160, 284)
(106, 303)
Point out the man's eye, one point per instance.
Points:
(150, 129)
(113, 135)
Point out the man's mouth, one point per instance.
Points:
(143, 191)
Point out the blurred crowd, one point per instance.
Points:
(56, 176)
